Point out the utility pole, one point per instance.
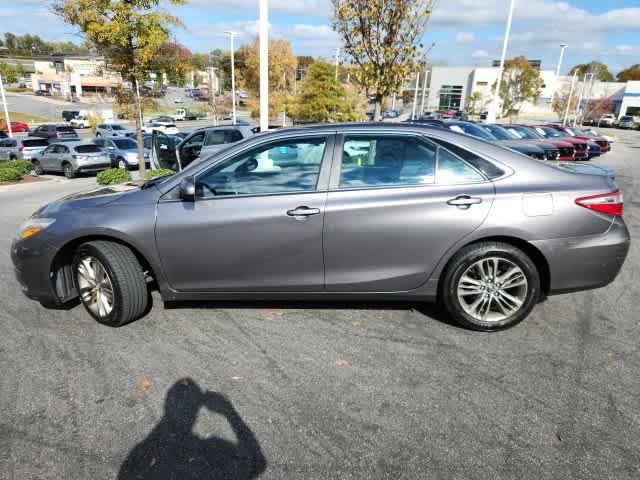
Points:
(583, 90)
(491, 118)
(562, 49)
(6, 110)
(264, 65)
(337, 61)
(415, 96)
(566, 112)
(233, 76)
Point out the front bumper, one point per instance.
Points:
(32, 262)
(584, 263)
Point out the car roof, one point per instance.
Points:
(116, 137)
(72, 143)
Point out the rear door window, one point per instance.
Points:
(35, 143)
(87, 149)
(231, 136)
(377, 161)
(214, 137)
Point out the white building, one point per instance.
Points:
(448, 88)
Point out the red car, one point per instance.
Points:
(566, 149)
(16, 127)
(551, 132)
(575, 132)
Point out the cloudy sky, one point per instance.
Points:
(467, 32)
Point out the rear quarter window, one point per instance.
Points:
(489, 170)
(65, 129)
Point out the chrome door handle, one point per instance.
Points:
(464, 201)
(303, 212)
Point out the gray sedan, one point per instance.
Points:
(71, 158)
(364, 211)
(113, 130)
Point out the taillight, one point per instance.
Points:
(610, 203)
(21, 148)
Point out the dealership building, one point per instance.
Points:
(448, 88)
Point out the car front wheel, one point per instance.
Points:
(110, 282)
(490, 286)
(37, 167)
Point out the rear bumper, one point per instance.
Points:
(583, 263)
(93, 167)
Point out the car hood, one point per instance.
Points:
(97, 197)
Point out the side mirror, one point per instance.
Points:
(188, 189)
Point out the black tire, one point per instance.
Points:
(130, 292)
(68, 171)
(37, 167)
(471, 254)
(12, 157)
(98, 135)
(124, 162)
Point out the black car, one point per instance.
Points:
(55, 132)
(69, 115)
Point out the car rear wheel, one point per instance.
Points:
(37, 167)
(490, 286)
(67, 168)
(110, 282)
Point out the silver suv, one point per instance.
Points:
(21, 148)
(71, 158)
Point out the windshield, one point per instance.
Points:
(498, 132)
(550, 132)
(125, 144)
(526, 133)
(117, 127)
(473, 130)
(626, 119)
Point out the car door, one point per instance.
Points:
(191, 147)
(4, 150)
(396, 205)
(256, 223)
(48, 158)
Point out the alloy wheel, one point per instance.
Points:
(492, 289)
(95, 287)
(122, 164)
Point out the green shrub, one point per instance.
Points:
(113, 175)
(23, 166)
(10, 175)
(160, 172)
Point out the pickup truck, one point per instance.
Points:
(186, 114)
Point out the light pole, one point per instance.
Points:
(415, 96)
(337, 61)
(563, 47)
(491, 117)
(233, 75)
(6, 110)
(566, 112)
(264, 65)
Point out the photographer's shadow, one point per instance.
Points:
(173, 451)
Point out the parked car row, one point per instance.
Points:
(626, 122)
(543, 141)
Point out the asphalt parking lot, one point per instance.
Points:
(321, 391)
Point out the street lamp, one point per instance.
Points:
(492, 114)
(233, 75)
(562, 49)
(264, 65)
(6, 110)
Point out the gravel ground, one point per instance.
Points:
(321, 391)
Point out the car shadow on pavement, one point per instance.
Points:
(173, 451)
(430, 310)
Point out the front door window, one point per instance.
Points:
(290, 166)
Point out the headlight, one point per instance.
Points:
(34, 226)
